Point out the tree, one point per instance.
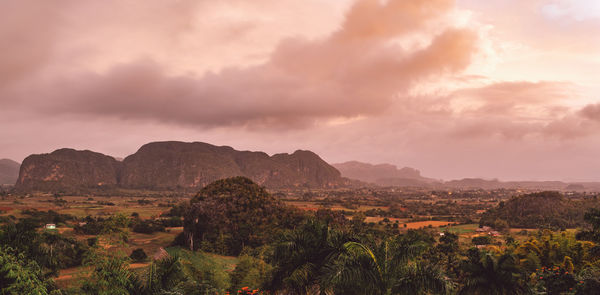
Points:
(300, 257)
(447, 251)
(233, 213)
(492, 275)
(391, 268)
(163, 275)
(110, 275)
(592, 217)
(18, 275)
(49, 250)
(250, 272)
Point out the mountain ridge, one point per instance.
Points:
(389, 175)
(173, 165)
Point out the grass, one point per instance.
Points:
(212, 267)
(82, 206)
(199, 258)
(460, 229)
(391, 219)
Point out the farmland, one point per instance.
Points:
(121, 226)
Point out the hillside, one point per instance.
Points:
(169, 165)
(9, 171)
(67, 170)
(383, 174)
(173, 166)
(539, 210)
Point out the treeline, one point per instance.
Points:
(99, 225)
(540, 210)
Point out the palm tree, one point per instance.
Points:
(162, 275)
(493, 275)
(302, 255)
(390, 269)
(316, 259)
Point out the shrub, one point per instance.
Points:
(138, 255)
(147, 227)
(482, 240)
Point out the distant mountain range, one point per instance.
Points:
(390, 175)
(470, 183)
(173, 166)
(9, 171)
(383, 174)
(185, 166)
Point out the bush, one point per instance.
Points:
(138, 255)
(250, 272)
(171, 222)
(147, 227)
(482, 240)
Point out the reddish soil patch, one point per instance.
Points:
(309, 208)
(420, 224)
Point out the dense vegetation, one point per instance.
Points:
(282, 250)
(539, 210)
(232, 213)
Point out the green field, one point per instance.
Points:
(460, 229)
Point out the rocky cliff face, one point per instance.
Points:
(309, 169)
(9, 171)
(172, 165)
(67, 170)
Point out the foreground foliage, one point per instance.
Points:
(283, 251)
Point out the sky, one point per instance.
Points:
(506, 89)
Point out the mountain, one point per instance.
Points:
(173, 166)
(68, 170)
(9, 171)
(390, 175)
(474, 183)
(383, 174)
(170, 165)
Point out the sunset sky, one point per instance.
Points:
(506, 89)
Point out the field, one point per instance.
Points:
(423, 224)
(460, 229)
(81, 206)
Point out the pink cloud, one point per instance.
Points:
(355, 71)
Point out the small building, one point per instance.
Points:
(50, 226)
(484, 229)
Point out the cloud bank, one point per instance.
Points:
(355, 71)
(435, 84)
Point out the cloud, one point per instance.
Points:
(26, 39)
(520, 109)
(357, 70)
(517, 98)
(591, 112)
